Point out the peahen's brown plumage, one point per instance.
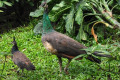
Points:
(64, 46)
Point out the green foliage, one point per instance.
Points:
(38, 28)
(3, 3)
(70, 12)
(70, 21)
(15, 12)
(79, 15)
(57, 10)
(1, 11)
(81, 35)
(37, 12)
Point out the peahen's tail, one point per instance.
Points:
(93, 59)
(30, 67)
(96, 53)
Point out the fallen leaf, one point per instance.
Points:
(94, 35)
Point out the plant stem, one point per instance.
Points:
(105, 5)
(109, 18)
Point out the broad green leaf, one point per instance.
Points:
(7, 3)
(38, 28)
(42, 1)
(60, 26)
(49, 1)
(70, 20)
(87, 49)
(57, 10)
(75, 0)
(114, 49)
(118, 32)
(81, 35)
(79, 15)
(17, 0)
(1, 11)
(93, 33)
(1, 3)
(81, 55)
(37, 13)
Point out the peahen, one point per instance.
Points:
(62, 45)
(20, 59)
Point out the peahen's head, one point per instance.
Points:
(44, 5)
(14, 42)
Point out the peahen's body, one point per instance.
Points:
(60, 44)
(20, 59)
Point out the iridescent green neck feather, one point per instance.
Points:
(47, 26)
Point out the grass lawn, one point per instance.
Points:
(46, 64)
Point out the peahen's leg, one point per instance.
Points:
(60, 63)
(66, 67)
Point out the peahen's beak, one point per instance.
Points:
(44, 5)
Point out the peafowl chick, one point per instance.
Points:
(20, 59)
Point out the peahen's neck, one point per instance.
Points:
(14, 48)
(47, 26)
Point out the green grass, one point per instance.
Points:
(46, 64)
